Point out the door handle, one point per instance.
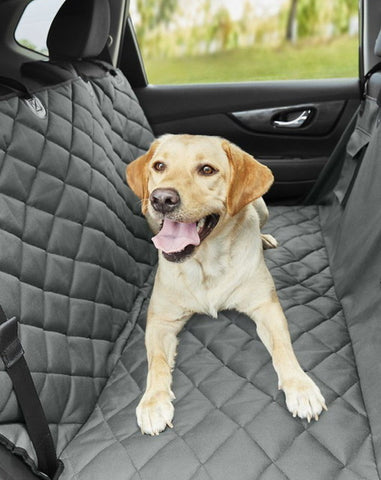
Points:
(296, 122)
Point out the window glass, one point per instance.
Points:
(34, 24)
(242, 40)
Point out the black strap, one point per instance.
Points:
(106, 66)
(15, 86)
(364, 82)
(358, 161)
(12, 354)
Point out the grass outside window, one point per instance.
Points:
(333, 59)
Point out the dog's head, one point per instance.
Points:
(190, 184)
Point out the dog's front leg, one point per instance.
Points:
(155, 410)
(303, 397)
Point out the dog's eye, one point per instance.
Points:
(207, 170)
(159, 166)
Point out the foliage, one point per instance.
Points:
(316, 18)
(27, 44)
(30, 46)
(336, 58)
(153, 14)
(173, 28)
(308, 20)
(343, 11)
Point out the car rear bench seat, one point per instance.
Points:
(76, 269)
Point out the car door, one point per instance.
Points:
(291, 125)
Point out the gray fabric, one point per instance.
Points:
(353, 240)
(74, 250)
(355, 149)
(77, 266)
(374, 86)
(230, 419)
(377, 47)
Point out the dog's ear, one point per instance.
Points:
(249, 179)
(137, 175)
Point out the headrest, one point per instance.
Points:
(377, 47)
(79, 30)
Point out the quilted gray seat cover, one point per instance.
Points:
(230, 420)
(76, 268)
(74, 252)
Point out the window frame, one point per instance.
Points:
(130, 59)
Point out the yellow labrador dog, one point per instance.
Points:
(202, 198)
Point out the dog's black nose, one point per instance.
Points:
(165, 200)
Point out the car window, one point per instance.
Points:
(34, 24)
(221, 40)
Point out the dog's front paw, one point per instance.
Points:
(303, 397)
(154, 412)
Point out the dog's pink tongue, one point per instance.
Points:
(175, 236)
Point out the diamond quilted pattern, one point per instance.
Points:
(76, 267)
(230, 419)
(75, 254)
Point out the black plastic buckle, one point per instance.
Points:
(10, 347)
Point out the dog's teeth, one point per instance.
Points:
(200, 224)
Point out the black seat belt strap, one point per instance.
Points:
(12, 354)
(364, 81)
(15, 86)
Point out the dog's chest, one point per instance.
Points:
(217, 277)
(210, 284)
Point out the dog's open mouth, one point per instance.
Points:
(177, 240)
